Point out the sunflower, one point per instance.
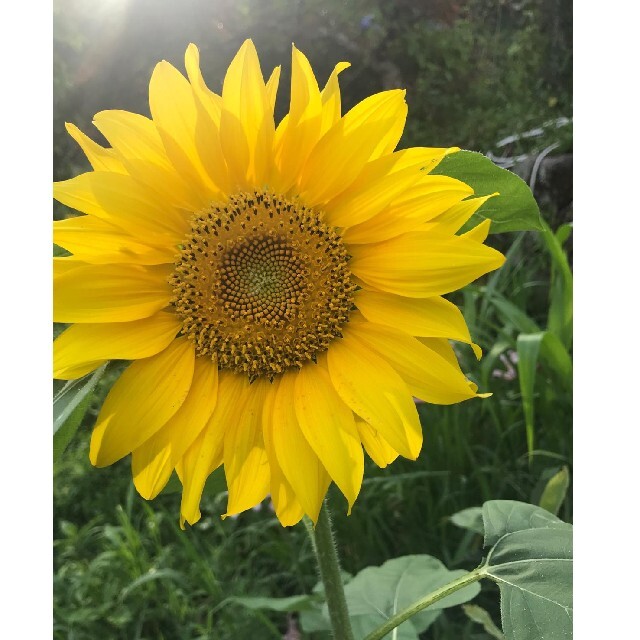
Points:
(278, 289)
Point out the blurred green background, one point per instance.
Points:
(479, 75)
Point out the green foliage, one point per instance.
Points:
(555, 491)
(470, 519)
(514, 209)
(67, 399)
(292, 603)
(481, 616)
(69, 407)
(533, 571)
(497, 58)
(531, 560)
(381, 592)
(377, 593)
(501, 517)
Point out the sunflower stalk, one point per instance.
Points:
(326, 552)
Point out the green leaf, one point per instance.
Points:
(72, 394)
(379, 593)
(362, 626)
(555, 355)
(292, 603)
(515, 209)
(560, 317)
(502, 517)
(481, 616)
(533, 569)
(314, 619)
(530, 347)
(69, 407)
(512, 314)
(470, 519)
(555, 491)
(63, 436)
(150, 576)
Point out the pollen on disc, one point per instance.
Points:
(262, 284)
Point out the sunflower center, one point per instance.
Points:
(262, 284)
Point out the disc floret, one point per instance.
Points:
(262, 284)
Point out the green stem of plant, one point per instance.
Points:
(326, 554)
(425, 602)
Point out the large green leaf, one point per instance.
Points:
(531, 561)
(502, 517)
(533, 569)
(515, 209)
(362, 626)
(378, 593)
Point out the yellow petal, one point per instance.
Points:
(427, 374)
(142, 400)
(480, 232)
(272, 86)
(189, 465)
(300, 465)
(452, 219)
(111, 293)
(331, 101)
(207, 134)
(380, 182)
(246, 124)
(139, 146)
(132, 135)
(122, 201)
(64, 264)
(427, 317)
(101, 159)
(246, 466)
(422, 264)
(98, 242)
(375, 392)
(329, 427)
(287, 507)
(426, 199)
(343, 151)
(175, 114)
(210, 100)
(298, 133)
(154, 460)
(443, 348)
(77, 350)
(375, 445)
(206, 453)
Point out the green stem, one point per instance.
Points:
(325, 548)
(425, 602)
